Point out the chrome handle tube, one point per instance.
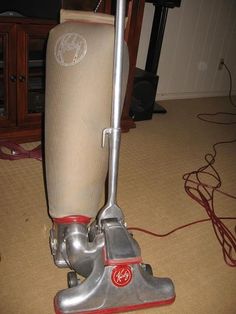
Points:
(118, 64)
(111, 210)
(116, 101)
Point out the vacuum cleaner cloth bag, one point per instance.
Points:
(78, 108)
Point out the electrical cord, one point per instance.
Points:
(162, 235)
(203, 193)
(98, 6)
(203, 116)
(13, 151)
(230, 85)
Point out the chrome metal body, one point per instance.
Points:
(105, 254)
(115, 278)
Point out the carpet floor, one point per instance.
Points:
(153, 159)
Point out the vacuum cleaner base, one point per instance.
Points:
(118, 289)
(115, 281)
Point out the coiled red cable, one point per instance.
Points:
(13, 151)
(203, 193)
(206, 117)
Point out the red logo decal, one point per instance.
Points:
(121, 275)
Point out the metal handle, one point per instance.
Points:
(13, 78)
(111, 209)
(21, 78)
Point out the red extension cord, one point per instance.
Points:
(203, 194)
(14, 151)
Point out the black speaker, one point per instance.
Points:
(143, 96)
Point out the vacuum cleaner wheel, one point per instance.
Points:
(72, 279)
(148, 268)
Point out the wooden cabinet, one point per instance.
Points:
(22, 77)
(22, 71)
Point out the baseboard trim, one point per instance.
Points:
(189, 95)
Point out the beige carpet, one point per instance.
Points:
(154, 156)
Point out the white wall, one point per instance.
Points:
(197, 35)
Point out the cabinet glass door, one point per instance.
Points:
(7, 75)
(36, 74)
(31, 73)
(2, 76)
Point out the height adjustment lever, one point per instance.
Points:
(106, 132)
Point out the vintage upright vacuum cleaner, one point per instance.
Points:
(86, 57)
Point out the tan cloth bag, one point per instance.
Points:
(78, 107)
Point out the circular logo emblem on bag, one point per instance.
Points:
(70, 49)
(121, 275)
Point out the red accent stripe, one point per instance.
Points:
(116, 262)
(73, 219)
(122, 308)
(133, 260)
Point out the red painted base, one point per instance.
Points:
(121, 309)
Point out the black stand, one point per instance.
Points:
(154, 50)
(158, 108)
